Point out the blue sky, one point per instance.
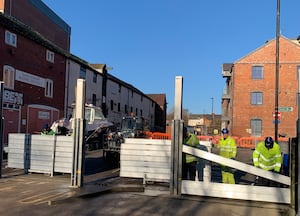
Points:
(147, 43)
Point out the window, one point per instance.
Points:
(94, 77)
(49, 88)
(256, 98)
(49, 56)
(256, 127)
(257, 72)
(111, 105)
(94, 98)
(119, 107)
(82, 73)
(10, 38)
(126, 109)
(8, 76)
(141, 112)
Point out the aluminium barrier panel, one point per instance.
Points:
(40, 153)
(18, 151)
(149, 159)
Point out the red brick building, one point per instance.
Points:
(32, 67)
(38, 16)
(248, 101)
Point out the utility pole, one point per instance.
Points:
(277, 69)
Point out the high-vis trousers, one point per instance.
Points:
(228, 177)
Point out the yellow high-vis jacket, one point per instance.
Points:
(192, 141)
(227, 147)
(267, 159)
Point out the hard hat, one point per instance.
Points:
(225, 131)
(269, 142)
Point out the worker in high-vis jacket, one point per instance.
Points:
(267, 156)
(189, 161)
(227, 149)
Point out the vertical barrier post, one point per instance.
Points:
(1, 127)
(177, 138)
(79, 143)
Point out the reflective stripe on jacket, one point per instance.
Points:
(192, 141)
(267, 159)
(227, 147)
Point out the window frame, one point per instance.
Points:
(257, 74)
(50, 56)
(256, 127)
(255, 101)
(9, 76)
(10, 38)
(49, 88)
(94, 77)
(94, 99)
(82, 73)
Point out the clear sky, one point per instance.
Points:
(147, 43)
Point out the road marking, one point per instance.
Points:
(44, 197)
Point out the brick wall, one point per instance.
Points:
(243, 85)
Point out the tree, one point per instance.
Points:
(185, 115)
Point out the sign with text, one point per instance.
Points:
(285, 109)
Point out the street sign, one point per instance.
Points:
(276, 121)
(285, 109)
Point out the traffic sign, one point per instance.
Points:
(276, 121)
(276, 115)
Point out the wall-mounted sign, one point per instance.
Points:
(44, 115)
(30, 78)
(285, 109)
(12, 97)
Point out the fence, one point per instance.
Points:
(40, 153)
(242, 142)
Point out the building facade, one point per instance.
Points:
(41, 18)
(248, 101)
(32, 72)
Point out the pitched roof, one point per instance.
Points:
(159, 98)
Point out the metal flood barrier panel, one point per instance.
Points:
(150, 159)
(40, 153)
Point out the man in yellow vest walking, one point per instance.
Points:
(227, 148)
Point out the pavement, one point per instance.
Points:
(106, 193)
